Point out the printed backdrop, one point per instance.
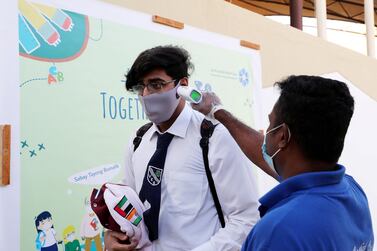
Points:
(77, 118)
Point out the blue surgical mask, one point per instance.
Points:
(266, 156)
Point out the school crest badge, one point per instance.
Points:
(154, 176)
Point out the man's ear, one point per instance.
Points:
(184, 81)
(285, 136)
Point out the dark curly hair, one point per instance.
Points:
(318, 112)
(173, 59)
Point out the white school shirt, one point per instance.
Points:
(49, 238)
(188, 219)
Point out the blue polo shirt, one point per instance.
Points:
(318, 211)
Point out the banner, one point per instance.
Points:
(77, 118)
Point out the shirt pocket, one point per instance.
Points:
(185, 192)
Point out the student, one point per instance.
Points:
(316, 206)
(90, 230)
(46, 238)
(71, 243)
(182, 214)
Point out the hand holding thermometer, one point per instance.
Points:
(190, 94)
(207, 102)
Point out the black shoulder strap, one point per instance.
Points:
(206, 130)
(140, 133)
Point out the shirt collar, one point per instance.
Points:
(297, 183)
(180, 125)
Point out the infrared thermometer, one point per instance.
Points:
(190, 94)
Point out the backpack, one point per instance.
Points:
(206, 131)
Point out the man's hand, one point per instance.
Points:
(248, 139)
(208, 103)
(115, 241)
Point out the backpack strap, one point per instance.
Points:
(140, 133)
(206, 130)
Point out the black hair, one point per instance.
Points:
(173, 59)
(318, 112)
(42, 216)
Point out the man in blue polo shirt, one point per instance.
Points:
(316, 206)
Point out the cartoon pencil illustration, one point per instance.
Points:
(26, 38)
(56, 16)
(40, 23)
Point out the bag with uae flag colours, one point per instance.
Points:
(119, 208)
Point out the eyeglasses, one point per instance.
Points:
(152, 87)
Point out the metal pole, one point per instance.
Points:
(369, 23)
(295, 9)
(321, 15)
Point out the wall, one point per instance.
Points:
(284, 50)
(9, 114)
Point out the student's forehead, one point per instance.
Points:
(156, 74)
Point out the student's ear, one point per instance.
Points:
(184, 81)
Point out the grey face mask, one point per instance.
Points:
(159, 107)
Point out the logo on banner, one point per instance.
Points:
(154, 175)
(243, 77)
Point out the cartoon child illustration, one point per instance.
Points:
(70, 242)
(90, 228)
(46, 238)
